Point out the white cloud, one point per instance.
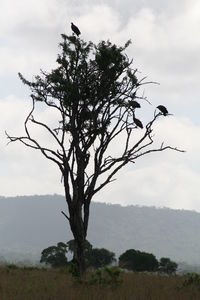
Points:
(162, 184)
(165, 46)
(23, 170)
(105, 19)
(32, 13)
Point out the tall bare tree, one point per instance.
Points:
(95, 92)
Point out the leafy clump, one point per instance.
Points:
(192, 279)
(106, 276)
(12, 267)
(74, 271)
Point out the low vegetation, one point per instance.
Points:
(52, 284)
(133, 260)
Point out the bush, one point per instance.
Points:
(94, 257)
(167, 266)
(138, 261)
(192, 279)
(99, 258)
(106, 276)
(55, 255)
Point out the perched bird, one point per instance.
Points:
(137, 122)
(163, 109)
(75, 29)
(134, 104)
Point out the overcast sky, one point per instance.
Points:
(165, 47)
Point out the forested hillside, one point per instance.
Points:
(29, 224)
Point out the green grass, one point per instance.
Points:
(48, 284)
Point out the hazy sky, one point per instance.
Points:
(165, 47)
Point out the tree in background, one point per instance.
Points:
(99, 258)
(94, 257)
(87, 250)
(167, 266)
(92, 93)
(55, 255)
(71, 246)
(138, 261)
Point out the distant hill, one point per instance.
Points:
(28, 224)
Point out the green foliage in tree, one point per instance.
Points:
(99, 258)
(94, 257)
(138, 261)
(55, 256)
(71, 246)
(167, 266)
(87, 250)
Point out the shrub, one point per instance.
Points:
(136, 260)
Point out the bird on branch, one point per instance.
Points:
(137, 122)
(134, 104)
(163, 109)
(75, 29)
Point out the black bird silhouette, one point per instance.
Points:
(163, 109)
(137, 122)
(134, 104)
(75, 29)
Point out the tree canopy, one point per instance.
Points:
(55, 256)
(94, 257)
(139, 261)
(99, 258)
(166, 265)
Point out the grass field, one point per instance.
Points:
(48, 284)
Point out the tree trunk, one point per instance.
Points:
(79, 256)
(77, 227)
(78, 219)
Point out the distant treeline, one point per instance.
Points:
(133, 260)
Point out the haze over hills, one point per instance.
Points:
(29, 224)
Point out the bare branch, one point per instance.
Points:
(159, 150)
(49, 130)
(65, 215)
(37, 146)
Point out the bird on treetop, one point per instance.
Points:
(163, 109)
(137, 122)
(134, 104)
(75, 29)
